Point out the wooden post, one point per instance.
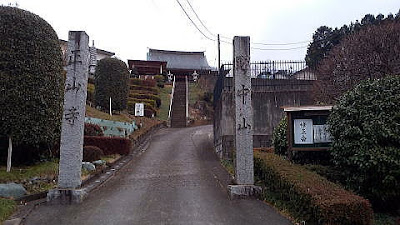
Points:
(9, 154)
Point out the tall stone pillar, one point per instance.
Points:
(71, 145)
(244, 164)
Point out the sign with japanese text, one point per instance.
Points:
(303, 131)
(139, 109)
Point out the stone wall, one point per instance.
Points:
(268, 98)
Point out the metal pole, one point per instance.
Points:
(219, 55)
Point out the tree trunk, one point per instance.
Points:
(9, 154)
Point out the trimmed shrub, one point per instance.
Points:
(309, 196)
(149, 113)
(131, 106)
(147, 101)
(93, 130)
(31, 80)
(279, 138)
(160, 80)
(147, 96)
(92, 153)
(109, 145)
(144, 88)
(365, 125)
(149, 82)
(111, 78)
(140, 82)
(148, 109)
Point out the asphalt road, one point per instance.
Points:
(178, 180)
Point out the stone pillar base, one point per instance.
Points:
(66, 196)
(243, 191)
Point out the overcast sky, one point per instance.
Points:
(129, 28)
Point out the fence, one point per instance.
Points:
(272, 70)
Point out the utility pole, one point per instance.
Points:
(219, 55)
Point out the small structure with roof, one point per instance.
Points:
(307, 129)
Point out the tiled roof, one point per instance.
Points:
(179, 59)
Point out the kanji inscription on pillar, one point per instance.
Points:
(244, 171)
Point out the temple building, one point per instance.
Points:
(178, 63)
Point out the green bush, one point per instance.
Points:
(160, 80)
(308, 196)
(279, 139)
(144, 83)
(147, 96)
(109, 145)
(145, 89)
(31, 79)
(111, 78)
(92, 153)
(365, 125)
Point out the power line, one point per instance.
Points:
(230, 42)
(193, 22)
(201, 22)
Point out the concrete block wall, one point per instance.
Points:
(268, 97)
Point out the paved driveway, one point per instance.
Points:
(178, 180)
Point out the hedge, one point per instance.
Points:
(147, 101)
(149, 111)
(131, 106)
(146, 96)
(140, 82)
(143, 88)
(309, 196)
(109, 145)
(93, 130)
(92, 153)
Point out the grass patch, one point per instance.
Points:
(194, 93)
(7, 207)
(92, 112)
(45, 175)
(164, 95)
(228, 165)
(19, 174)
(111, 158)
(385, 219)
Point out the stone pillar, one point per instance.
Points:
(71, 145)
(244, 165)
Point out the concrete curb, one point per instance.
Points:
(29, 202)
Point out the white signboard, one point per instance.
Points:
(303, 131)
(139, 109)
(321, 134)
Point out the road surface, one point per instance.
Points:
(178, 180)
